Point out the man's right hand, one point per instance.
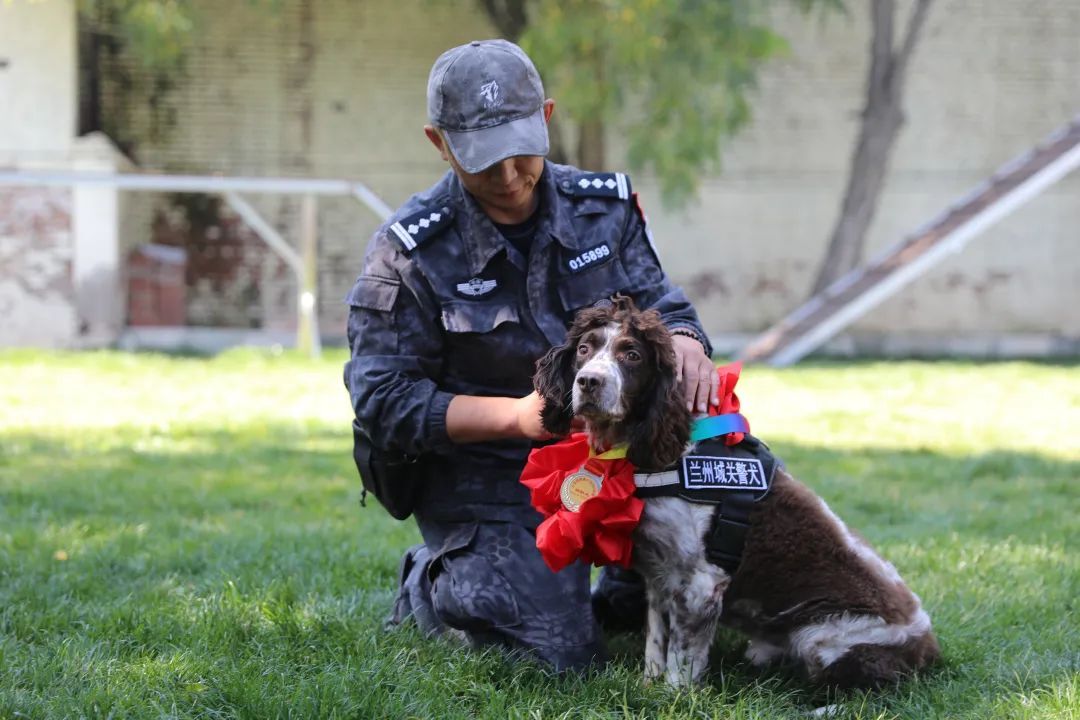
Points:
(470, 418)
(528, 411)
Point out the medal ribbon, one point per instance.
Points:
(616, 453)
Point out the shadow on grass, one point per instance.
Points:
(893, 495)
(207, 540)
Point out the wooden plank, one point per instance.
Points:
(855, 294)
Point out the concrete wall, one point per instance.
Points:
(37, 292)
(37, 124)
(37, 81)
(336, 88)
(61, 280)
(989, 80)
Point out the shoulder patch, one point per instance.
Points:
(412, 230)
(609, 185)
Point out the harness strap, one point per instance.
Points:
(660, 479)
(726, 538)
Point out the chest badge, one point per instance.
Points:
(477, 287)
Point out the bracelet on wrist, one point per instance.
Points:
(687, 332)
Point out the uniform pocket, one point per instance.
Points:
(374, 293)
(467, 591)
(589, 286)
(478, 333)
(477, 317)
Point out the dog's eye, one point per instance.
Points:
(633, 356)
(582, 349)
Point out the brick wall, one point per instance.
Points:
(36, 288)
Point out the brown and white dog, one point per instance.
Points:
(807, 590)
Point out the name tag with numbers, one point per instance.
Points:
(589, 258)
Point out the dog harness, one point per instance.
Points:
(732, 477)
(591, 503)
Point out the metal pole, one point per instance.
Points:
(265, 231)
(304, 264)
(307, 321)
(179, 183)
(373, 201)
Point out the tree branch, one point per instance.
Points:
(911, 37)
(881, 44)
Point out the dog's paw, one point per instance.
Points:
(762, 654)
(653, 672)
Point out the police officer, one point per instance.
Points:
(466, 286)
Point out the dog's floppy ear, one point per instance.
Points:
(661, 427)
(553, 381)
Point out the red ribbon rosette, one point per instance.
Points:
(599, 532)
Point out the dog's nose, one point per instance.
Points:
(590, 382)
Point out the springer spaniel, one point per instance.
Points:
(807, 589)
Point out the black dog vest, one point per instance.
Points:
(732, 477)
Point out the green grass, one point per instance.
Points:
(182, 537)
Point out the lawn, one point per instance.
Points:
(182, 537)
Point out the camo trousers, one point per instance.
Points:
(487, 580)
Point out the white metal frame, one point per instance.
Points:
(303, 263)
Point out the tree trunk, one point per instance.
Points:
(510, 17)
(869, 164)
(557, 152)
(590, 154)
(882, 119)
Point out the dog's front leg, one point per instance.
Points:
(696, 611)
(656, 639)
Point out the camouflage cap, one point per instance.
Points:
(487, 98)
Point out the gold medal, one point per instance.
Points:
(578, 487)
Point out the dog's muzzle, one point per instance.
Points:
(597, 390)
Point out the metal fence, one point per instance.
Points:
(303, 262)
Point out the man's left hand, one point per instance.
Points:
(697, 373)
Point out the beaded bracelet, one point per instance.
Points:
(687, 332)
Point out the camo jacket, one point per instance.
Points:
(445, 305)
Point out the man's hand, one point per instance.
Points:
(697, 373)
(527, 411)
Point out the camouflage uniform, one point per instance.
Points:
(444, 306)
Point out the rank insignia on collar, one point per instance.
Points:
(414, 229)
(612, 185)
(477, 287)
